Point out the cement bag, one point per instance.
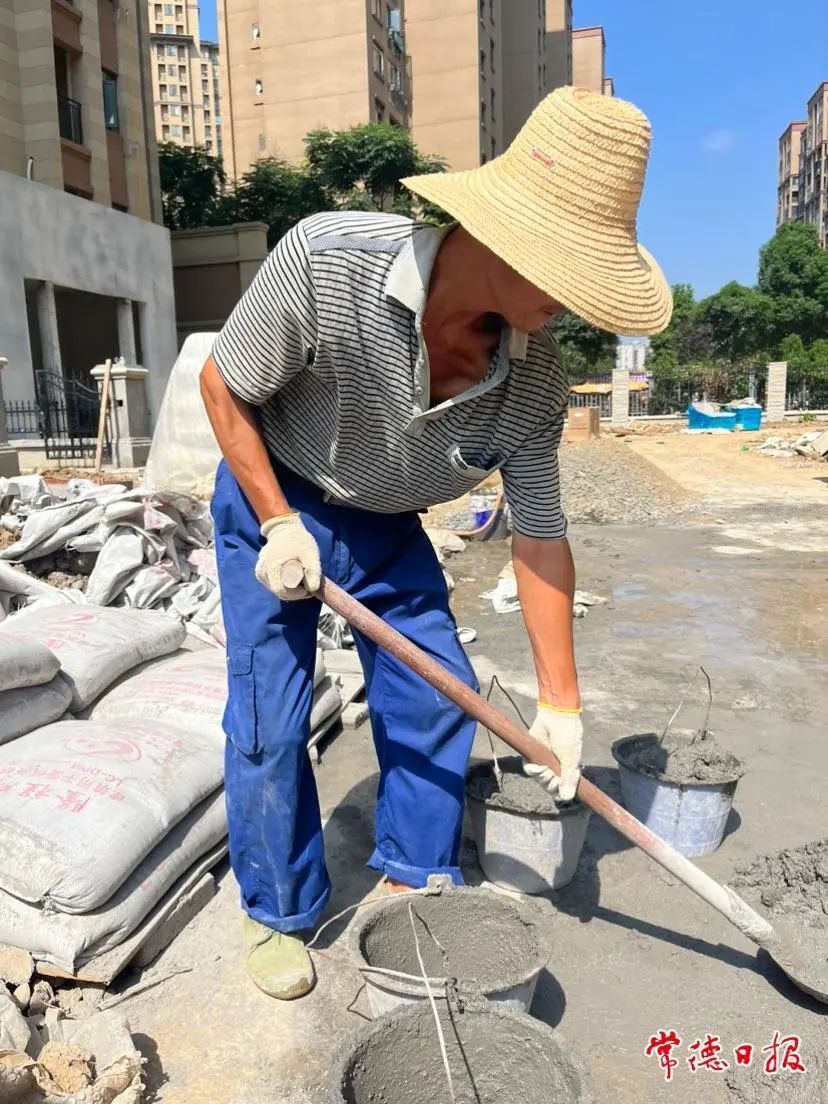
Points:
(82, 803)
(31, 707)
(26, 664)
(184, 454)
(326, 701)
(66, 940)
(187, 690)
(95, 645)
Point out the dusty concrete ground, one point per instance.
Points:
(630, 951)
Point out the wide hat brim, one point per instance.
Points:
(594, 268)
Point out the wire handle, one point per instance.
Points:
(703, 730)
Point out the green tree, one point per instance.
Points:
(192, 182)
(818, 353)
(585, 349)
(279, 194)
(361, 168)
(683, 340)
(792, 350)
(793, 272)
(739, 319)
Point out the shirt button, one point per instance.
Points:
(418, 390)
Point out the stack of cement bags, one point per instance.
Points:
(32, 693)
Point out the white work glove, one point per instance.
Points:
(287, 539)
(562, 731)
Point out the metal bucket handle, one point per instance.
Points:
(701, 732)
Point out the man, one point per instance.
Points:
(374, 368)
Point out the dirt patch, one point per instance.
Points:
(517, 792)
(495, 1057)
(69, 1068)
(681, 757)
(503, 951)
(754, 1086)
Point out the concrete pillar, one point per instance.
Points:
(777, 391)
(48, 326)
(9, 460)
(620, 396)
(129, 416)
(126, 332)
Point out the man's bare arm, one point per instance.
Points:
(236, 426)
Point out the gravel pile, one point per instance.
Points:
(604, 481)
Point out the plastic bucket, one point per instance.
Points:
(495, 1055)
(489, 943)
(690, 816)
(526, 852)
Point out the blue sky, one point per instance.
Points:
(720, 81)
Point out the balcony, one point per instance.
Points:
(398, 100)
(69, 120)
(396, 42)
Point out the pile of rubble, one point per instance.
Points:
(813, 445)
(56, 1045)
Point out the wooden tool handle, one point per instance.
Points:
(292, 574)
(728, 903)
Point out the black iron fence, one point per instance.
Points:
(673, 392)
(64, 415)
(807, 388)
(592, 391)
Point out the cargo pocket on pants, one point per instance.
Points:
(240, 715)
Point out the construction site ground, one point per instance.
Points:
(738, 583)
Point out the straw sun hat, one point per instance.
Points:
(560, 205)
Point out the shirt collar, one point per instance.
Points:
(410, 274)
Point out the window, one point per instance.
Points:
(255, 32)
(204, 72)
(185, 114)
(165, 133)
(494, 149)
(173, 90)
(492, 53)
(165, 113)
(482, 157)
(483, 64)
(378, 59)
(208, 131)
(379, 110)
(493, 105)
(162, 72)
(170, 51)
(208, 145)
(182, 72)
(482, 10)
(206, 116)
(159, 51)
(205, 86)
(175, 109)
(176, 131)
(186, 134)
(206, 101)
(258, 86)
(181, 52)
(482, 112)
(376, 9)
(168, 28)
(179, 11)
(158, 28)
(179, 28)
(168, 9)
(394, 79)
(162, 91)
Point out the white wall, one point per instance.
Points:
(47, 234)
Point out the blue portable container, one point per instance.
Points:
(697, 420)
(747, 417)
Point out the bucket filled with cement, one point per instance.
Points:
(525, 841)
(681, 786)
(495, 1056)
(467, 937)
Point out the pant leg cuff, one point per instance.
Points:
(304, 921)
(415, 876)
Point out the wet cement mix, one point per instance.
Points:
(792, 887)
(682, 757)
(495, 1057)
(483, 940)
(516, 793)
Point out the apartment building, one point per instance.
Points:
(479, 68)
(185, 79)
(589, 50)
(288, 68)
(790, 150)
(802, 176)
(85, 269)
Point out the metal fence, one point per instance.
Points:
(807, 388)
(596, 391)
(69, 120)
(64, 415)
(672, 393)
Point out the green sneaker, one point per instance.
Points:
(277, 963)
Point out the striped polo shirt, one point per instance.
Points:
(328, 343)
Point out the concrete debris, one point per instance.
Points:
(445, 542)
(43, 997)
(813, 444)
(93, 1062)
(16, 965)
(15, 1032)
